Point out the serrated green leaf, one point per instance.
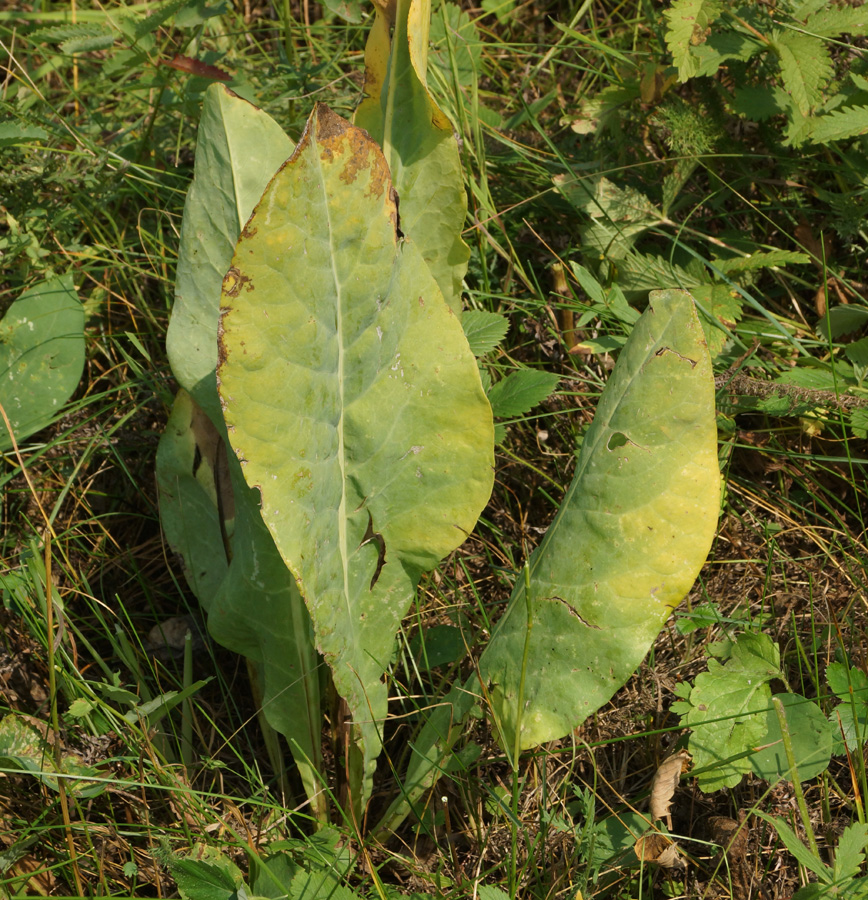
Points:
(798, 126)
(617, 215)
(489, 892)
(840, 125)
(810, 377)
(857, 352)
(755, 655)
(603, 345)
(689, 22)
(722, 46)
(88, 44)
(759, 104)
(456, 48)
(719, 303)
(353, 399)
(399, 113)
(763, 259)
(850, 852)
(520, 391)
(41, 357)
(12, 133)
(805, 67)
(272, 876)
(811, 739)
(849, 720)
(197, 12)
(844, 681)
(859, 422)
(643, 272)
(57, 34)
(23, 748)
(484, 330)
(775, 405)
(801, 10)
(200, 880)
(349, 10)
(148, 24)
(319, 883)
(631, 534)
(835, 20)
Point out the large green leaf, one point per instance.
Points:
(632, 533)
(210, 516)
(354, 403)
(627, 544)
(211, 519)
(238, 150)
(417, 140)
(41, 357)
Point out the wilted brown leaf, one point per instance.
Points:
(657, 848)
(665, 781)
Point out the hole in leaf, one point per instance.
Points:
(618, 439)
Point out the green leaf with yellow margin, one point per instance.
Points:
(354, 404)
(417, 140)
(629, 539)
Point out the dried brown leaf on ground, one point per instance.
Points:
(733, 836)
(665, 781)
(657, 848)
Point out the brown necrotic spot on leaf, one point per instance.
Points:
(338, 138)
(234, 280)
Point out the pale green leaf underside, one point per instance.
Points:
(353, 400)
(41, 357)
(252, 602)
(632, 533)
(239, 148)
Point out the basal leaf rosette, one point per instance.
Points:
(353, 402)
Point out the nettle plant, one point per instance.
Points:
(332, 439)
(782, 62)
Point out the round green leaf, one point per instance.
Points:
(811, 736)
(41, 357)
